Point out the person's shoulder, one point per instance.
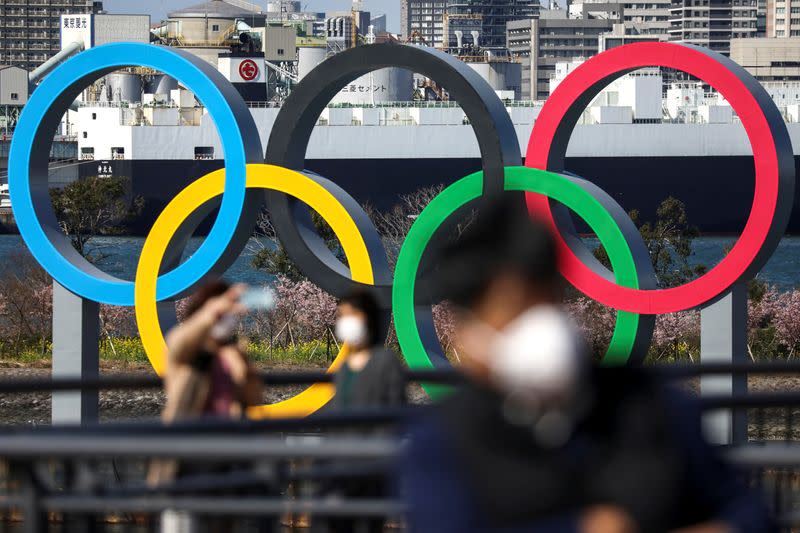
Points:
(426, 433)
(640, 390)
(626, 382)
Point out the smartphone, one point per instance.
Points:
(258, 299)
(253, 299)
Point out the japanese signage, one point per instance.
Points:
(76, 28)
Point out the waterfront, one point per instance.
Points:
(121, 255)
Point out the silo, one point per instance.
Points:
(385, 85)
(161, 84)
(124, 87)
(309, 57)
(501, 75)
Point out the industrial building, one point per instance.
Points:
(769, 59)
(13, 95)
(713, 23)
(212, 22)
(346, 29)
(30, 29)
(556, 37)
(13, 86)
(222, 27)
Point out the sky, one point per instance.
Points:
(157, 9)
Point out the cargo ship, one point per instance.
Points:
(638, 143)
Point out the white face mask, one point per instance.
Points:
(351, 330)
(538, 356)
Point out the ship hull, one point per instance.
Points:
(717, 190)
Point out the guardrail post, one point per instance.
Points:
(723, 339)
(34, 516)
(76, 354)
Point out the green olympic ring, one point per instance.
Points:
(470, 188)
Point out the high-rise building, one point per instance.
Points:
(713, 23)
(641, 18)
(647, 18)
(555, 37)
(783, 18)
(423, 21)
(30, 31)
(761, 18)
(493, 16)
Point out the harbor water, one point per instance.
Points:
(119, 255)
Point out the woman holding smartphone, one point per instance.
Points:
(208, 373)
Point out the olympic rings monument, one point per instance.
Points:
(277, 178)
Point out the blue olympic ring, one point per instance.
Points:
(236, 128)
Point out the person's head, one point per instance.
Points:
(208, 290)
(503, 275)
(358, 320)
(218, 299)
(503, 264)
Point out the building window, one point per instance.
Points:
(215, 27)
(94, 116)
(280, 51)
(117, 152)
(87, 153)
(780, 33)
(15, 96)
(203, 152)
(85, 134)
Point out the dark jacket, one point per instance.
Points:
(639, 447)
(380, 383)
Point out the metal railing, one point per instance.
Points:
(85, 473)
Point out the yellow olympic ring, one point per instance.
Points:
(192, 197)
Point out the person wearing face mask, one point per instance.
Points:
(537, 439)
(371, 377)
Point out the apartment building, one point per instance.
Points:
(30, 31)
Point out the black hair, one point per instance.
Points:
(210, 289)
(366, 303)
(502, 238)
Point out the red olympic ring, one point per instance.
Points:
(772, 153)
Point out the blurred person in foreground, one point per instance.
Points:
(208, 373)
(538, 440)
(371, 377)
